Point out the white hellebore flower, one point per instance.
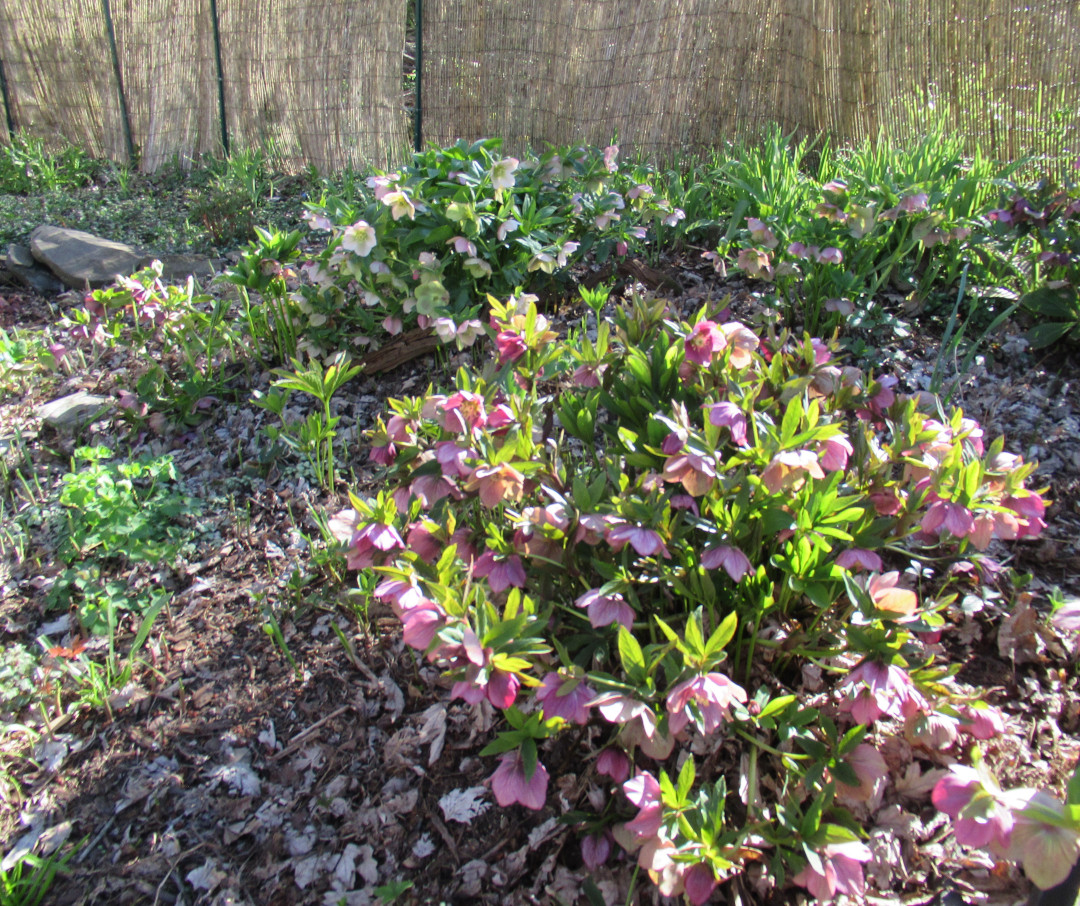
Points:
(359, 238)
(502, 173)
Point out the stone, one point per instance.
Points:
(20, 262)
(177, 268)
(74, 411)
(81, 259)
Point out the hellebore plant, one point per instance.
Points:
(657, 549)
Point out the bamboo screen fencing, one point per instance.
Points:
(320, 81)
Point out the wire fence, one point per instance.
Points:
(320, 82)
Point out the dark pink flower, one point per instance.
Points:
(613, 763)
(834, 452)
(694, 471)
(501, 571)
(869, 767)
(857, 558)
(981, 723)
(370, 541)
(595, 849)
(955, 518)
(603, 610)
(421, 623)
(464, 412)
(983, 818)
(734, 562)
(496, 484)
(645, 541)
(510, 785)
(699, 883)
(566, 697)
(511, 346)
(644, 792)
(704, 342)
(729, 415)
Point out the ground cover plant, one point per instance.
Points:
(693, 573)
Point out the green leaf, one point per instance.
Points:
(695, 640)
(723, 634)
(630, 652)
(686, 779)
(776, 706)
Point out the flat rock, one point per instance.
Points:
(81, 259)
(179, 267)
(21, 263)
(74, 411)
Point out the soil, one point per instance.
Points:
(224, 775)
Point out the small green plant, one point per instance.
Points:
(18, 678)
(26, 166)
(119, 512)
(314, 436)
(29, 880)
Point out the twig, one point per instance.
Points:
(101, 833)
(294, 744)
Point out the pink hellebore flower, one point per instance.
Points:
(603, 610)
(511, 346)
(831, 255)
(502, 572)
(643, 791)
(713, 695)
(884, 590)
(611, 152)
(834, 452)
(464, 412)
(646, 542)
(981, 723)
(510, 785)
(613, 763)
(595, 849)
(744, 342)
(696, 473)
(462, 246)
(754, 262)
(674, 217)
(1039, 841)
(870, 769)
(786, 469)
(857, 558)
(912, 204)
(496, 484)
(760, 233)
(704, 342)
(367, 543)
(982, 817)
(955, 518)
(840, 871)
(699, 883)
(502, 173)
(359, 238)
(874, 689)
(507, 226)
(728, 415)
(565, 697)
(400, 205)
(734, 562)
(420, 624)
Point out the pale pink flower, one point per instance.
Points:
(496, 484)
(981, 723)
(931, 729)
(840, 871)
(754, 262)
(611, 152)
(643, 791)
(400, 205)
(884, 590)
(704, 342)
(420, 624)
(727, 414)
(712, 694)
(743, 341)
(392, 325)
(462, 245)
(567, 697)
(674, 217)
(870, 769)
(464, 412)
(502, 173)
(359, 238)
(913, 204)
(694, 471)
(603, 610)
(451, 458)
(760, 233)
(506, 227)
(478, 268)
(645, 541)
(975, 801)
(830, 255)
(734, 562)
(510, 785)
(786, 469)
(1040, 841)
(430, 489)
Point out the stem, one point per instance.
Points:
(767, 748)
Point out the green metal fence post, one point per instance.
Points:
(124, 117)
(220, 78)
(7, 102)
